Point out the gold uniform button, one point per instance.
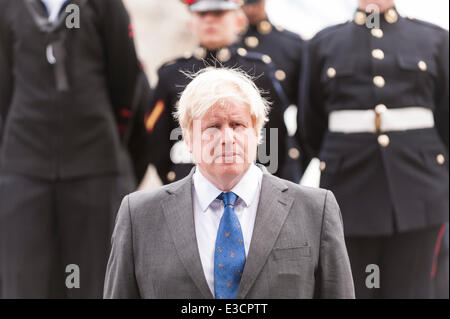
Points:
(422, 65)
(440, 159)
(224, 55)
(171, 176)
(242, 52)
(187, 55)
(279, 28)
(252, 42)
(377, 33)
(280, 75)
(360, 18)
(379, 81)
(383, 140)
(331, 72)
(294, 153)
(322, 166)
(380, 108)
(264, 27)
(200, 53)
(378, 54)
(391, 16)
(267, 59)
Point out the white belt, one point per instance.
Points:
(380, 120)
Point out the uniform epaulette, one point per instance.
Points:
(288, 34)
(425, 23)
(256, 56)
(330, 29)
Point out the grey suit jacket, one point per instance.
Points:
(297, 249)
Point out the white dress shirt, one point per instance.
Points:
(53, 8)
(208, 211)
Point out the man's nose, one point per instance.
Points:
(227, 135)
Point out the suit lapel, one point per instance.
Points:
(273, 208)
(178, 210)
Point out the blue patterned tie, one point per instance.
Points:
(229, 256)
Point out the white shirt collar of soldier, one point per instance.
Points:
(53, 8)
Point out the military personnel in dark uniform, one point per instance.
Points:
(169, 155)
(376, 114)
(66, 94)
(285, 49)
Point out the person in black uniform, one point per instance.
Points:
(66, 94)
(285, 49)
(376, 113)
(216, 24)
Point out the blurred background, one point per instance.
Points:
(161, 31)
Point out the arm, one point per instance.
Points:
(312, 121)
(441, 93)
(122, 65)
(159, 124)
(120, 281)
(335, 279)
(6, 81)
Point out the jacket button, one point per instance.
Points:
(378, 54)
(380, 108)
(440, 159)
(331, 72)
(322, 166)
(377, 33)
(384, 140)
(294, 153)
(252, 42)
(379, 81)
(422, 65)
(171, 176)
(280, 75)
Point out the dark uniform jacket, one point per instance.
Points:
(285, 49)
(399, 181)
(171, 161)
(68, 127)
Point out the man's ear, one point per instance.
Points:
(241, 21)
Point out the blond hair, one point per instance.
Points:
(211, 85)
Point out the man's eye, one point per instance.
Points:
(236, 124)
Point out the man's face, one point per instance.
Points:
(224, 141)
(383, 5)
(215, 29)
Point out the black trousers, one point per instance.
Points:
(47, 225)
(404, 260)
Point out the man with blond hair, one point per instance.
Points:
(215, 24)
(229, 229)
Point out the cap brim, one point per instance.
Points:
(203, 6)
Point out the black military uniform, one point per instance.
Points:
(169, 155)
(285, 49)
(65, 97)
(385, 159)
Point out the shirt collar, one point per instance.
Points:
(246, 189)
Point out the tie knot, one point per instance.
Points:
(228, 198)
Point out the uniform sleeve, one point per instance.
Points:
(335, 280)
(138, 141)
(120, 281)
(6, 79)
(312, 119)
(273, 91)
(159, 124)
(442, 87)
(122, 65)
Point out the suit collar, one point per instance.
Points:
(273, 209)
(178, 211)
